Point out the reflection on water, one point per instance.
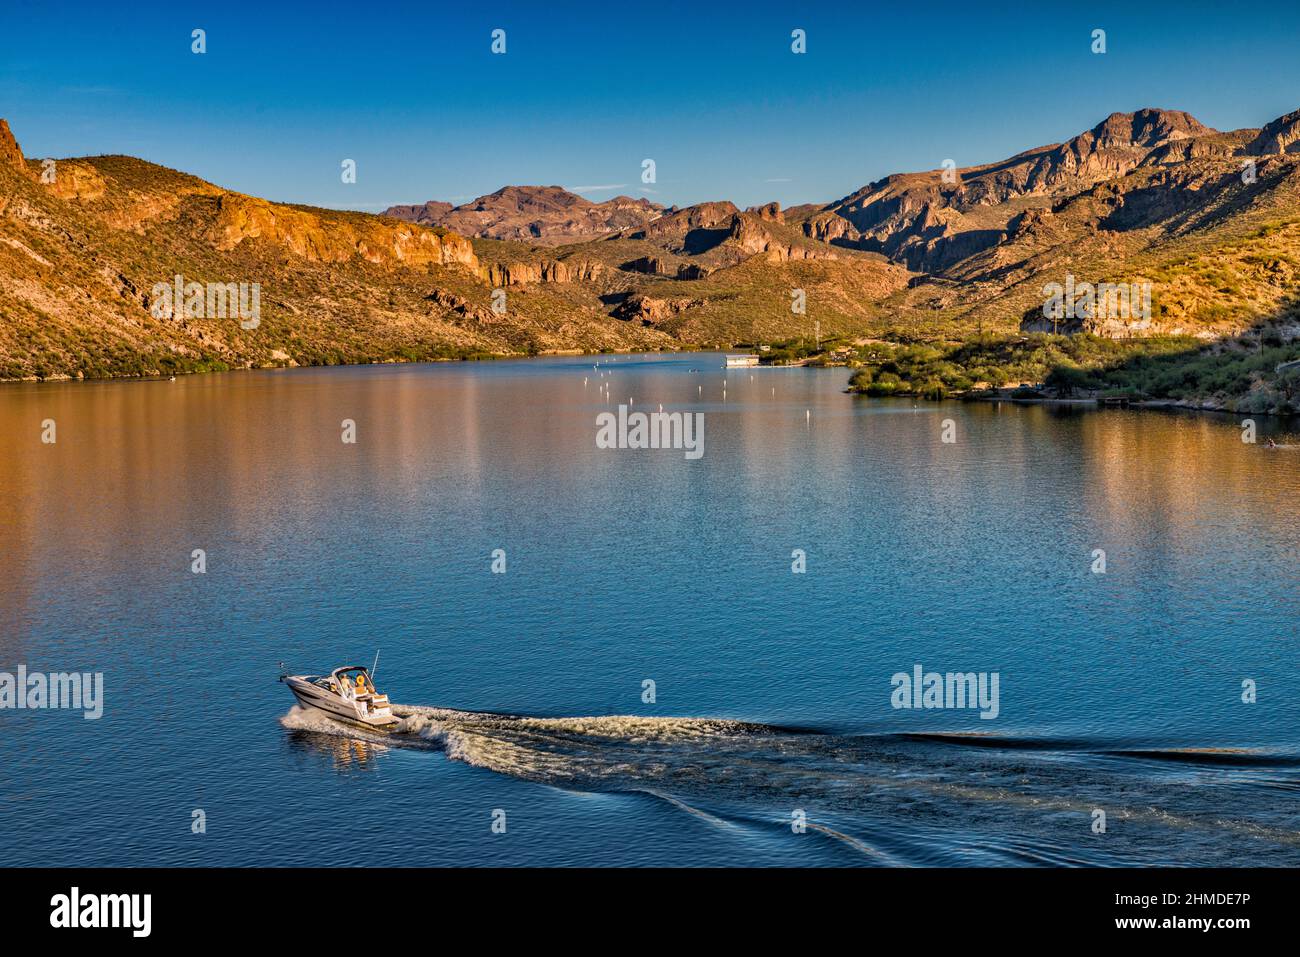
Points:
(344, 753)
(628, 566)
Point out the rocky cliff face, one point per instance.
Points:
(322, 239)
(462, 307)
(1280, 136)
(678, 224)
(751, 234)
(650, 311)
(770, 212)
(931, 220)
(77, 182)
(549, 270)
(10, 153)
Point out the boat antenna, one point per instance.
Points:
(375, 666)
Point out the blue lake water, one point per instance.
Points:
(524, 692)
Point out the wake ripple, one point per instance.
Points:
(892, 798)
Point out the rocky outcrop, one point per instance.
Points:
(828, 227)
(769, 212)
(522, 273)
(1280, 136)
(426, 214)
(751, 237)
(325, 237)
(650, 265)
(650, 311)
(679, 224)
(1033, 222)
(1210, 147)
(74, 181)
(658, 266)
(1112, 148)
(920, 218)
(460, 306)
(10, 152)
(543, 214)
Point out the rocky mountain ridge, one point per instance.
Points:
(541, 214)
(1206, 219)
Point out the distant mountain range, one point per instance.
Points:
(1210, 220)
(544, 214)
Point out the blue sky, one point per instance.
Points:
(586, 91)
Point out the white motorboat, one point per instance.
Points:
(345, 694)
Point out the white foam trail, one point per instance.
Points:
(621, 727)
(299, 718)
(557, 750)
(731, 761)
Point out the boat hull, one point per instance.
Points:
(335, 707)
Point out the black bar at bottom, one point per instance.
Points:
(299, 905)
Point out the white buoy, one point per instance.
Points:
(807, 416)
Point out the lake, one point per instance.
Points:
(685, 661)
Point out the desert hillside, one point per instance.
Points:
(1207, 221)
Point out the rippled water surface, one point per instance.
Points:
(522, 693)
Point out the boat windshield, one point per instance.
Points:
(357, 680)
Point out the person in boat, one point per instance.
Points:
(361, 684)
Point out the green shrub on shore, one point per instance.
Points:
(1238, 374)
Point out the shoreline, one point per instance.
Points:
(1145, 405)
(1148, 405)
(475, 357)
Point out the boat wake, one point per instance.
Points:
(894, 799)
